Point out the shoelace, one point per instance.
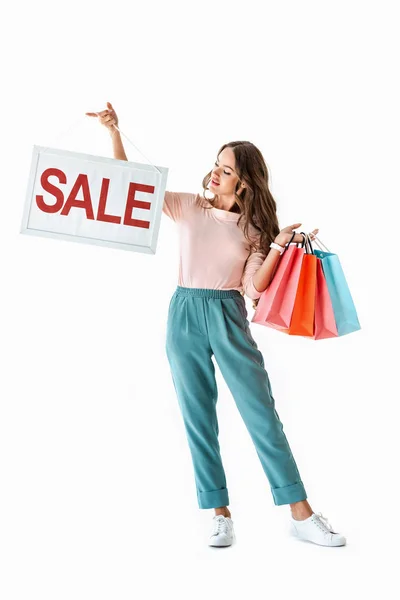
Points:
(324, 521)
(220, 525)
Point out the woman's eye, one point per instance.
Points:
(224, 171)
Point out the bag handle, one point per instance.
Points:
(319, 244)
(297, 243)
(288, 244)
(306, 244)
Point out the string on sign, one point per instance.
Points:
(137, 148)
(64, 133)
(79, 121)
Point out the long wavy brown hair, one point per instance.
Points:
(255, 204)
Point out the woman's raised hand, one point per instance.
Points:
(107, 117)
(284, 236)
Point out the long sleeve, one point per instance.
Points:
(253, 263)
(175, 203)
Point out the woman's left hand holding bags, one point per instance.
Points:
(285, 235)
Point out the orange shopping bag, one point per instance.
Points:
(275, 306)
(302, 321)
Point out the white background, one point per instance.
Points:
(97, 489)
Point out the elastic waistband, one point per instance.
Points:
(207, 292)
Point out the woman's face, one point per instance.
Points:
(224, 177)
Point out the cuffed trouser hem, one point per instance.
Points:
(213, 499)
(289, 494)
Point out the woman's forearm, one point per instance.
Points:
(118, 147)
(265, 273)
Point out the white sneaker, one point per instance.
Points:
(316, 529)
(222, 533)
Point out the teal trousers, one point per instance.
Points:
(203, 323)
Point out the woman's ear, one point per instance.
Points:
(241, 188)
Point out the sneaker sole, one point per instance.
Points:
(303, 539)
(223, 545)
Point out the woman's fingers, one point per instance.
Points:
(289, 228)
(107, 117)
(108, 120)
(101, 113)
(299, 238)
(313, 233)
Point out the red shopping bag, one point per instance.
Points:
(324, 323)
(275, 306)
(302, 320)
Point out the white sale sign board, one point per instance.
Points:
(94, 200)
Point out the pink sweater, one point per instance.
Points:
(213, 250)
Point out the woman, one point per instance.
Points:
(229, 246)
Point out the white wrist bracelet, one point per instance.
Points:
(277, 247)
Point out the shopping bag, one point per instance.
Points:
(302, 320)
(275, 306)
(345, 313)
(324, 321)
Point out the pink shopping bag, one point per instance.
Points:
(324, 324)
(275, 306)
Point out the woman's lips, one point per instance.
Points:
(214, 182)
